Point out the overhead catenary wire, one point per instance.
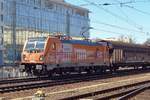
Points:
(120, 3)
(121, 9)
(139, 27)
(115, 26)
(111, 25)
(107, 31)
(138, 10)
(119, 27)
(127, 17)
(123, 3)
(131, 7)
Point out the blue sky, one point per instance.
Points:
(130, 19)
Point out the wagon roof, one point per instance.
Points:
(122, 44)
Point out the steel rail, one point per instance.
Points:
(127, 89)
(134, 93)
(19, 80)
(14, 88)
(26, 79)
(26, 86)
(59, 81)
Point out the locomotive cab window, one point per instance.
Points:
(40, 45)
(35, 45)
(29, 45)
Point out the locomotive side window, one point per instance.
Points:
(54, 46)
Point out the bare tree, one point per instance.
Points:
(132, 39)
(127, 39)
(147, 42)
(121, 38)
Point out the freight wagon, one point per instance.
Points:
(127, 54)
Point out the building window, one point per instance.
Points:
(2, 6)
(81, 13)
(49, 5)
(1, 18)
(2, 29)
(37, 2)
(54, 46)
(1, 40)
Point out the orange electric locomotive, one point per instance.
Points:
(59, 54)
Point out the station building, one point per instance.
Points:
(21, 19)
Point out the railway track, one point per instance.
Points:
(20, 80)
(116, 93)
(134, 92)
(27, 84)
(47, 83)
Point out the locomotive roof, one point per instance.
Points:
(82, 42)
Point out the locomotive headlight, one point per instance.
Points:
(41, 58)
(24, 57)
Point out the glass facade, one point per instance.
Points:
(37, 18)
(1, 31)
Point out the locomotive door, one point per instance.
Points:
(52, 52)
(56, 51)
(99, 55)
